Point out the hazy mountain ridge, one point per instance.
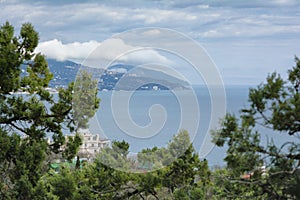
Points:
(116, 77)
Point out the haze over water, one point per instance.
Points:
(141, 102)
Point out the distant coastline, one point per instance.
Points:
(116, 77)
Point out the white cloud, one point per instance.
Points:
(96, 21)
(141, 56)
(116, 50)
(152, 32)
(113, 49)
(152, 16)
(251, 23)
(285, 2)
(211, 34)
(57, 50)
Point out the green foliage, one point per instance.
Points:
(67, 185)
(172, 172)
(180, 143)
(121, 147)
(85, 100)
(189, 193)
(114, 159)
(153, 159)
(99, 180)
(13, 52)
(274, 105)
(23, 159)
(72, 146)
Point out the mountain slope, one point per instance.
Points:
(116, 77)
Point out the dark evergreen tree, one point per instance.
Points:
(272, 170)
(28, 117)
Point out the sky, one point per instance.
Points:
(246, 40)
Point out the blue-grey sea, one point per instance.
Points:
(162, 112)
(151, 118)
(146, 119)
